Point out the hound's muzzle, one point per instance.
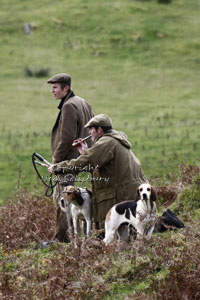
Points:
(144, 196)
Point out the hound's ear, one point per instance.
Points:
(137, 196)
(78, 191)
(78, 194)
(89, 192)
(79, 197)
(153, 194)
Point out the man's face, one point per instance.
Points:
(95, 133)
(58, 92)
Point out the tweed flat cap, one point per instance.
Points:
(99, 120)
(60, 78)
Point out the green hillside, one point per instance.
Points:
(137, 61)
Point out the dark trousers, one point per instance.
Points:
(63, 220)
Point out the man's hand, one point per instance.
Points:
(51, 169)
(80, 145)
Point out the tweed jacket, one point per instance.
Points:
(74, 113)
(116, 171)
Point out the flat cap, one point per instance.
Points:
(60, 78)
(99, 120)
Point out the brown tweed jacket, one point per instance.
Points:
(74, 113)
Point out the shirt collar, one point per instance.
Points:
(69, 95)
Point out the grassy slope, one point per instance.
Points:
(138, 61)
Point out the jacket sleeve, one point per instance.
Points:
(95, 157)
(68, 129)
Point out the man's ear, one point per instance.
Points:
(67, 88)
(100, 130)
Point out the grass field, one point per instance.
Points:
(137, 61)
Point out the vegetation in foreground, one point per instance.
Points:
(164, 268)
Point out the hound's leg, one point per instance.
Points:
(89, 226)
(110, 229)
(123, 232)
(69, 218)
(109, 236)
(76, 225)
(135, 222)
(149, 233)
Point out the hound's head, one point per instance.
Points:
(146, 192)
(72, 194)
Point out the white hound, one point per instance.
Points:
(141, 214)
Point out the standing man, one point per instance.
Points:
(117, 172)
(74, 113)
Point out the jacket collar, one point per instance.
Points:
(69, 95)
(108, 132)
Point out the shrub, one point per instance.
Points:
(189, 200)
(26, 218)
(37, 72)
(164, 1)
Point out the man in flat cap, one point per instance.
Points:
(74, 113)
(116, 171)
